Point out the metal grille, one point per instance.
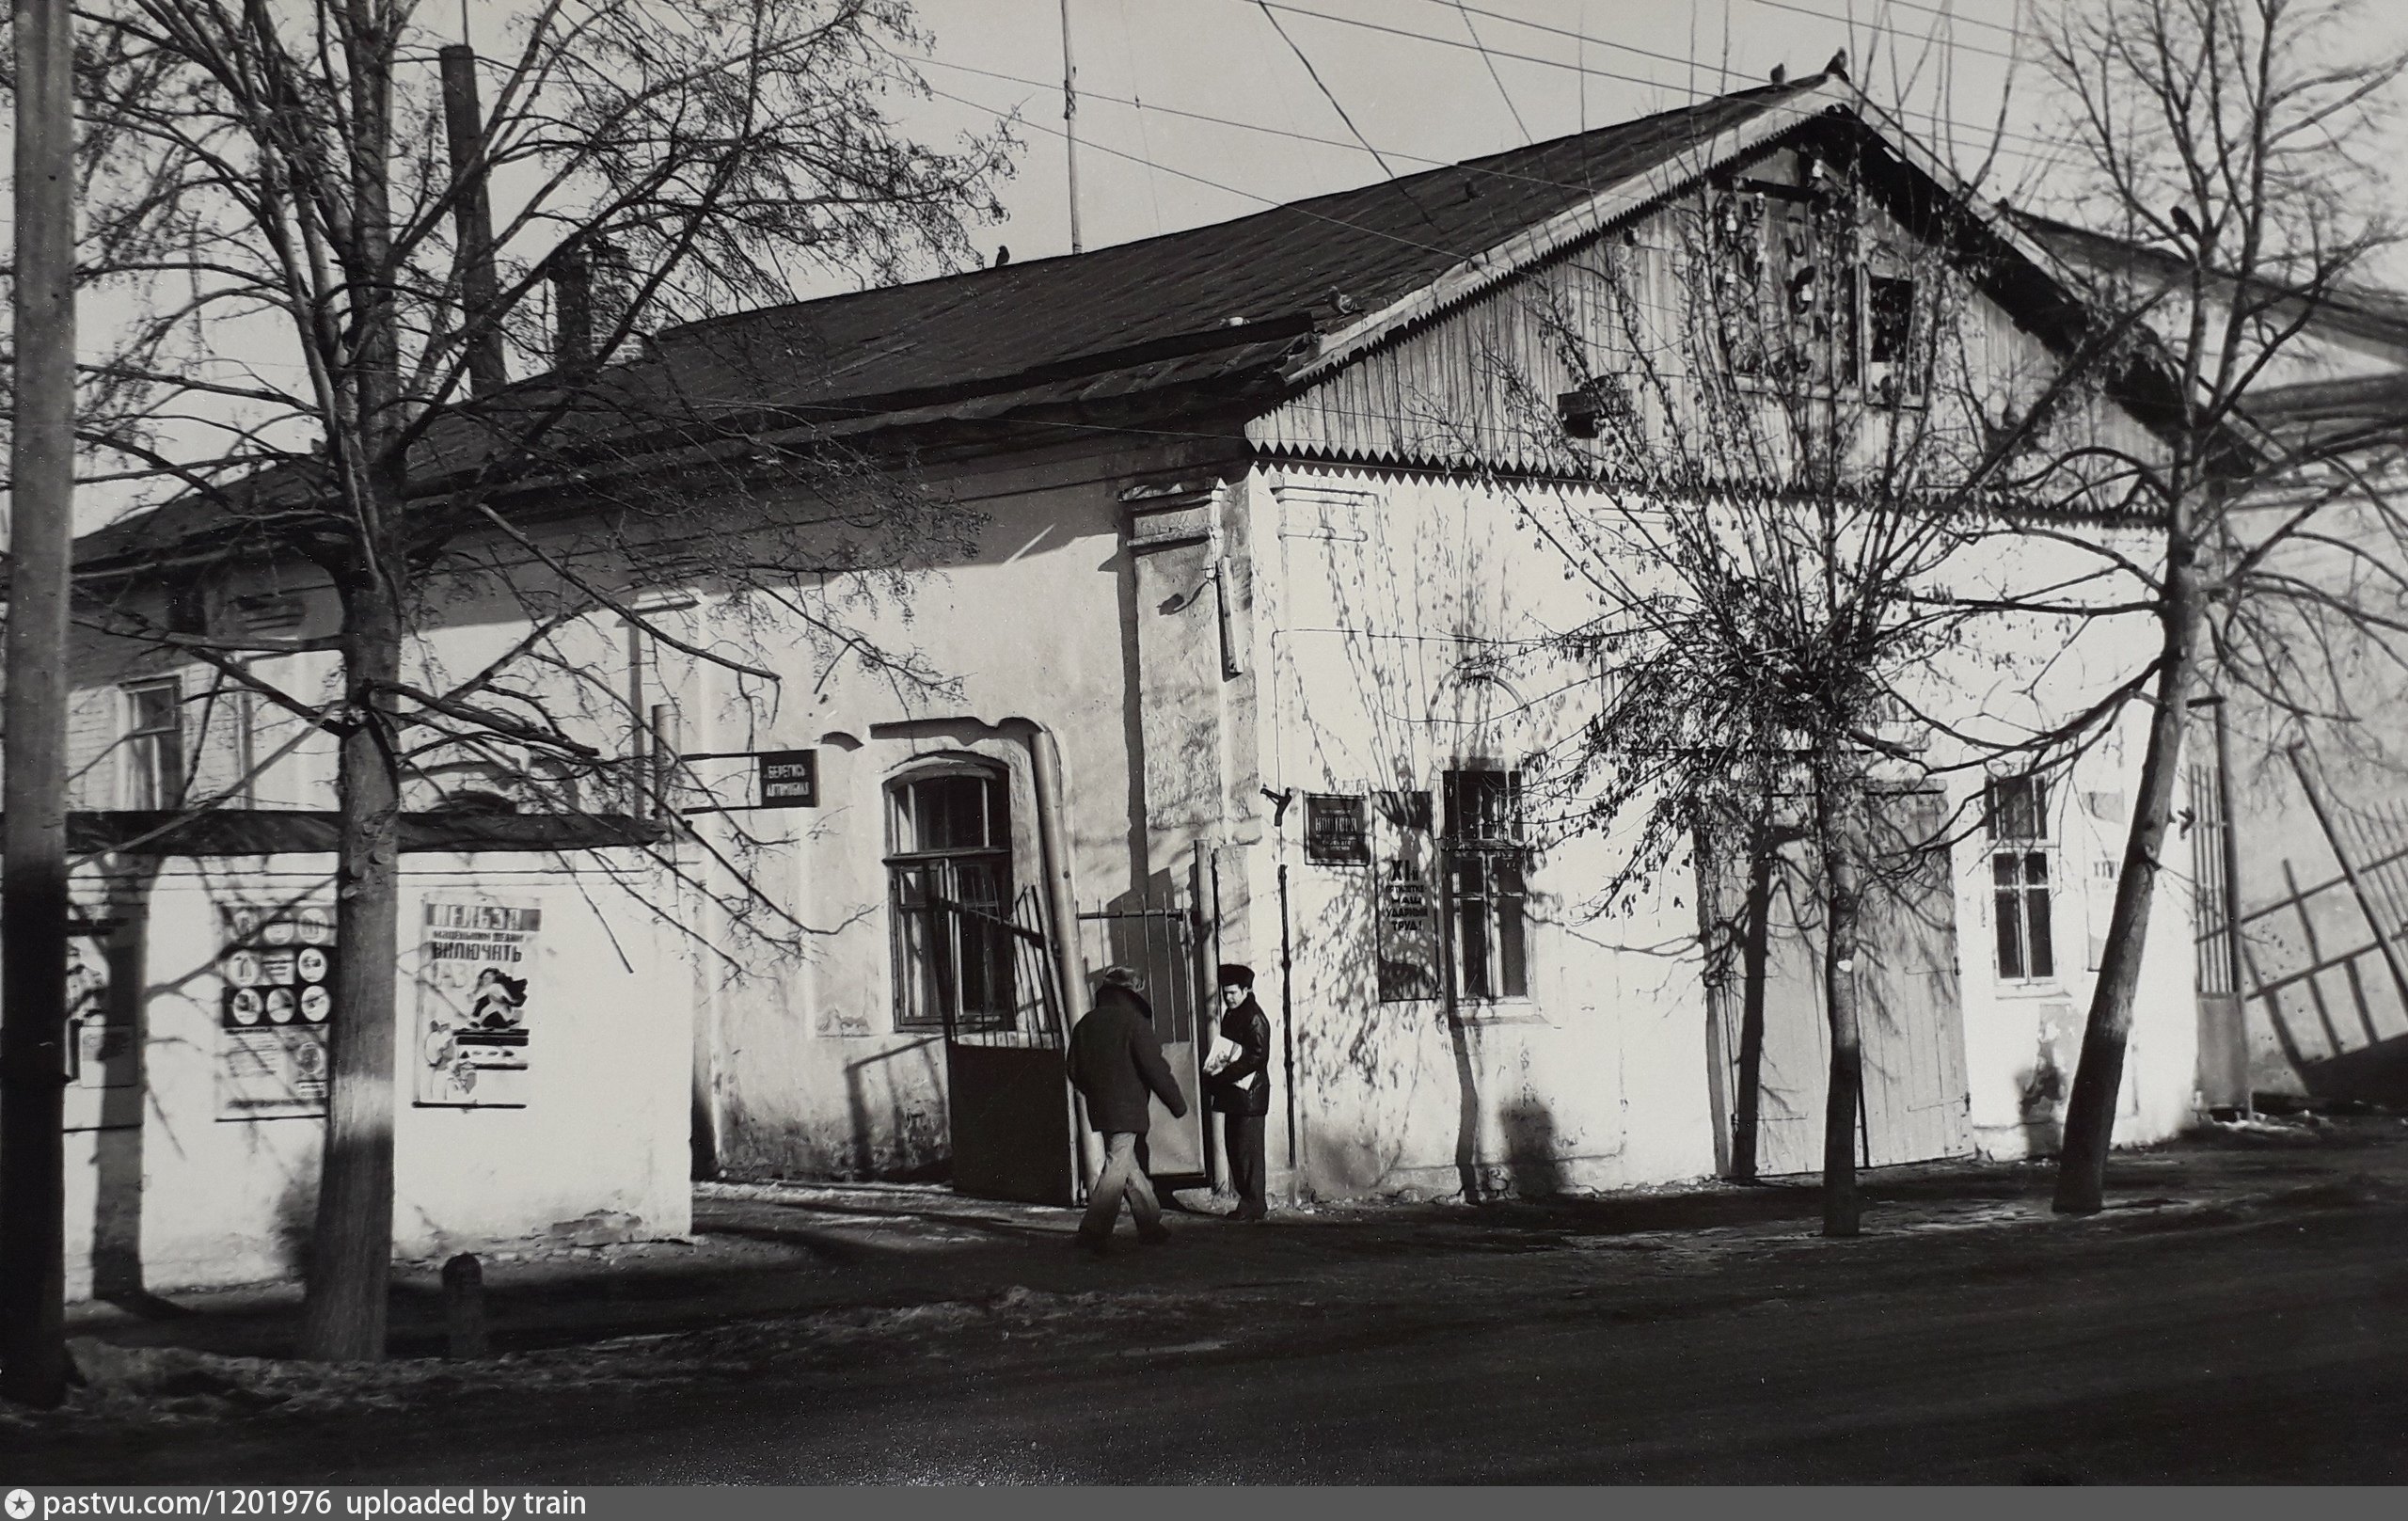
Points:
(1157, 940)
(1033, 1017)
(2207, 824)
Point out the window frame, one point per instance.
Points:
(1751, 223)
(148, 780)
(1488, 934)
(1904, 378)
(2024, 859)
(929, 996)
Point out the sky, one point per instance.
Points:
(1405, 83)
(1196, 111)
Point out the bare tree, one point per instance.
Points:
(335, 248)
(1786, 453)
(2228, 146)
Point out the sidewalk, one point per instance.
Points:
(773, 1250)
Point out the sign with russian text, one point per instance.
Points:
(475, 980)
(276, 1004)
(1404, 906)
(789, 778)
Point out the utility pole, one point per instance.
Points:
(1071, 122)
(32, 873)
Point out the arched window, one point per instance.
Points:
(949, 892)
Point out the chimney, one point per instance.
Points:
(594, 287)
(572, 275)
(473, 219)
(612, 295)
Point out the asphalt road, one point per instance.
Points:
(2229, 1346)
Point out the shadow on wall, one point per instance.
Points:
(2040, 1107)
(295, 1222)
(1530, 1158)
(914, 1142)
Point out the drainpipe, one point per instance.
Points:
(1288, 1035)
(1070, 968)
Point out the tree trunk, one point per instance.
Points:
(2099, 1077)
(343, 1317)
(1754, 952)
(1843, 906)
(32, 877)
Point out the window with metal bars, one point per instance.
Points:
(949, 878)
(2015, 814)
(1485, 862)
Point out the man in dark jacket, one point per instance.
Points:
(1116, 1064)
(1237, 1084)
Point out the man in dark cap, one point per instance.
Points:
(1237, 1084)
(1116, 1063)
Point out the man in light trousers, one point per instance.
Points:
(1117, 1065)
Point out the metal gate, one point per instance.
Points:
(1158, 938)
(1006, 1088)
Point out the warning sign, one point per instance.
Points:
(789, 778)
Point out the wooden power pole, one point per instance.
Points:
(1070, 123)
(33, 874)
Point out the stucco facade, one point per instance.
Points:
(1253, 677)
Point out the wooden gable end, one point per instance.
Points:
(1633, 316)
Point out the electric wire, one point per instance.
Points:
(1494, 78)
(1894, 33)
(1327, 94)
(1584, 69)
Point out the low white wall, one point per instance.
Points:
(160, 1185)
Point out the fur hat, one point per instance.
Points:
(1233, 976)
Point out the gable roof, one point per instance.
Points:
(2328, 413)
(1221, 288)
(1217, 321)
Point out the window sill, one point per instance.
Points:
(1522, 1010)
(2022, 987)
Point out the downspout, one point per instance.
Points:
(2234, 950)
(1288, 1033)
(1062, 904)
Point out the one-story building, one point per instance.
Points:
(1248, 496)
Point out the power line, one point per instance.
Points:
(1947, 15)
(1499, 80)
(1601, 74)
(1272, 17)
(1215, 185)
(1580, 37)
(1892, 32)
(1129, 54)
(1243, 126)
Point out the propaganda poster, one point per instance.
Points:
(474, 976)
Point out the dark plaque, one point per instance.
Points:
(789, 778)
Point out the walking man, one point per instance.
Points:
(1116, 1063)
(1237, 1084)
